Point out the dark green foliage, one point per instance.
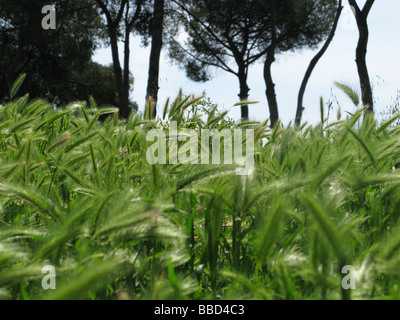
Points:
(57, 62)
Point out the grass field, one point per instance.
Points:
(78, 194)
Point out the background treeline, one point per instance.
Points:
(219, 34)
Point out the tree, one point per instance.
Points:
(314, 62)
(157, 29)
(120, 21)
(219, 32)
(293, 25)
(54, 60)
(361, 51)
(98, 81)
(245, 31)
(270, 59)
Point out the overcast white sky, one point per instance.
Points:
(338, 64)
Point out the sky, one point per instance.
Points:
(338, 64)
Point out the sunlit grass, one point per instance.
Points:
(78, 194)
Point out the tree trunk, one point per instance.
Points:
(361, 61)
(270, 85)
(244, 92)
(313, 63)
(117, 72)
(112, 26)
(361, 52)
(156, 46)
(126, 85)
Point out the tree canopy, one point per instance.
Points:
(57, 62)
(232, 35)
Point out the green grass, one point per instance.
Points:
(78, 194)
